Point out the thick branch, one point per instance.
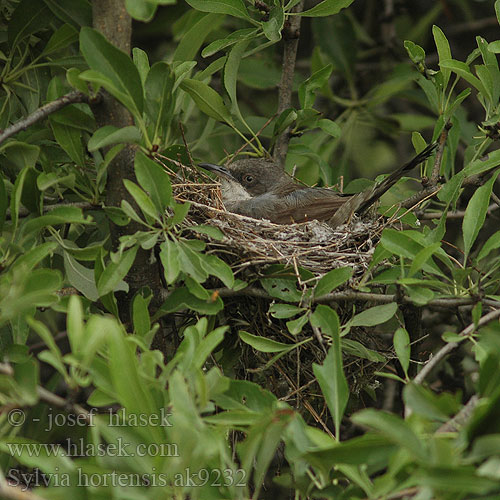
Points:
(352, 296)
(43, 112)
(446, 349)
(291, 35)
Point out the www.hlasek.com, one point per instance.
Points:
(187, 478)
(80, 448)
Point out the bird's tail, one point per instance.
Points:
(361, 201)
(384, 185)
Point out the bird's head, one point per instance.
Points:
(256, 175)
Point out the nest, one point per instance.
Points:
(248, 242)
(250, 246)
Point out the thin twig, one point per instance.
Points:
(243, 146)
(41, 113)
(438, 159)
(181, 126)
(446, 349)
(291, 35)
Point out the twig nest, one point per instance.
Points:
(313, 245)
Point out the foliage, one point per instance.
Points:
(184, 423)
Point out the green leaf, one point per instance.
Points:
(142, 10)
(29, 16)
(416, 53)
(181, 299)
(462, 70)
(114, 273)
(282, 311)
(424, 402)
(330, 375)
(60, 215)
(295, 326)
(74, 323)
(62, 38)
(475, 213)
(159, 97)
(218, 268)
(367, 450)
(231, 70)
(375, 315)
(263, 344)
(422, 257)
(191, 262)
(75, 12)
(488, 162)
(73, 78)
(109, 134)
(213, 232)
(207, 100)
(357, 349)
(142, 199)
(32, 257)
(207, 346)
(154, 179)
(169, 257)
(131, 391)
(140, 315)
(273, 26)
(330, 127)
(222, 43)
(115, 65)
(234, 8)
(141, 61)
(492, 243)
(444, 52)
(307, 90)
(394, 429)
(327, 8)
(193, 38)
(332, 280)
(401, 342)
(80, 277)
(281, 288)
(69, 138)
(497, 10)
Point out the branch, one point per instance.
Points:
(43, 112)
(459, 214)
(291, 35)
(51, 398)
(446, 349)
(461, 417)
(352, 296)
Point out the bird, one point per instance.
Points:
(259, 188)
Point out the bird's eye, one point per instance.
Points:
(248, 178)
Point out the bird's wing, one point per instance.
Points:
(300, 205)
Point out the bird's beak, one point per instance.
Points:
(218, 170)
